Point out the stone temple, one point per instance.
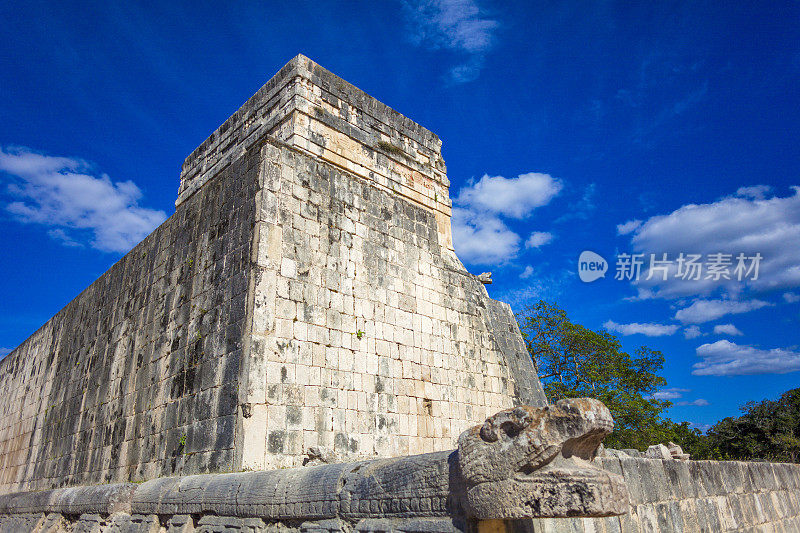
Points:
(298, 348)
(304, 294)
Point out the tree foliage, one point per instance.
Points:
(573, 361)
(768, 430)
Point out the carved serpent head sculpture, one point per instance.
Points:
(529, 461)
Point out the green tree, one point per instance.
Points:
(573, 361)
(769, 430)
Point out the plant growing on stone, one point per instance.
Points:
(181, 449)
(389, 147)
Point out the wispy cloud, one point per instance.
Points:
(725, 358)
(538, 239)
(635, 328)
(747, 223)
(700, 402)
(676, 393)
(669, 393)
(5, 351)
(548, 287)
(69, 197)
(583, 208)
(727, 329)
(791, 297)
(707, 310)
(526, 273)
(692, 332)
(457, 25)
(60, 235)
(651, 114)
(627, 227)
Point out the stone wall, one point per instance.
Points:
(667, 497)
(304, 294)
(137, 377)
(310, 108)
(368, 337)
(695, 496)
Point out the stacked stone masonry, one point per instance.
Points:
(367, 337)
(305, 296)
(312, 109)
(295, 299)
(137, 377)
(448, 491)
(666, 497)
(696, 497)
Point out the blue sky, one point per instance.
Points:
(662, 127)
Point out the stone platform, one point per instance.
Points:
(304, 295)
(304, 305)
(521, 463)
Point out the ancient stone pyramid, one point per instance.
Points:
(304, 294)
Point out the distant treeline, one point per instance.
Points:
(768, 430)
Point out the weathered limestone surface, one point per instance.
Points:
(305, 293)
(528, 461)
(667, 496)
(695, 496)
(305, 296)
(545, 452)
(312, 109)
(138, 376)
(367, 337)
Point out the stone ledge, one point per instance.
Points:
(304, 97)
(100, 499)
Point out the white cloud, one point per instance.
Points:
(528, 272)
(5, 351)
(66, 194)
(538, 238)
(510, 197)
(726, 329)
(670, 393)
(647, 329)
(629, 226)
(755, 192)
(458, 25)
(61, 235)
(748, 223)
(700, 426)
(700, 402)
(674, 393)
(453, 24)
(482, 238)
(725, 358)
(480, 235)
(692, 332)
(707, 310)
(791, 297)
